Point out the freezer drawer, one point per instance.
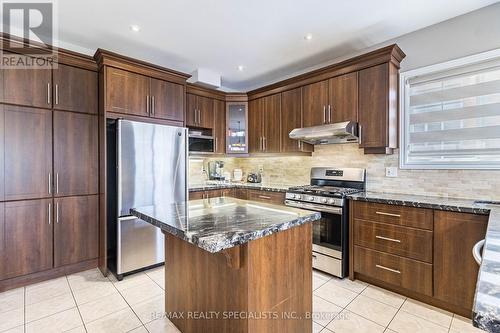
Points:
(139, 245)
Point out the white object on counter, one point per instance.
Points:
(237, 175)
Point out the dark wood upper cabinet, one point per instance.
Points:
(455, 270)
(255, 125)
(378, 110)
(291, 118)
(343, 98)
(167, 100)
(27, 145)
(75, 154)
(75, 89)
(28, 247)
(27, 87)
(272, 123)
(75, 229)
(220, 126)
(191, 110)
(199, 111)
(126, 92)
(315, 103)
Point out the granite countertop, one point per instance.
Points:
(271, 187)
(221, 223)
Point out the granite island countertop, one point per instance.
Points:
(221, 223)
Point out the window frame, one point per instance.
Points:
(404, 101)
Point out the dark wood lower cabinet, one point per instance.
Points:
(75, 229)
(27, 243)
(455, 270)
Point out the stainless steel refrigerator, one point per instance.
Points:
(147, 165)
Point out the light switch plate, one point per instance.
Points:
(391, 172)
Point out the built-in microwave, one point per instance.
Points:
(201, 144)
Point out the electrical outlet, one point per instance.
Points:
(261, 168)
(391, 171)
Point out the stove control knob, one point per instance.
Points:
(311, 198)
(297, 196)
(323, 200)
(331, 201)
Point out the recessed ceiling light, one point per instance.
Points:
(309, 36)
(135, 28)
(241, 68)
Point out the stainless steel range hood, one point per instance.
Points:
(326, 134)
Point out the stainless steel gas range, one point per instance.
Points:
(326, 194)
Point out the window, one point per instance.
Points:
(450, 114)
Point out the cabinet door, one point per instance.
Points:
(315, 101)
(76, 235)
(75, 154)
(167, 100)
(126, 92)
(28, 87)
(191, 110)
(343, 98)
(220, 126)
(206, 113)
(28, 147)
(272, 123)
(373, 106)
(455, 270)
(196, 195)
(255, 125)
(75, 89)
(27, 243)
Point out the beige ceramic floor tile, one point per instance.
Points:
(356, 285)
(317, 327)
(161, 326)
(47, 290)
(349, 322)
(11, 319)
(335, 294)
(141, 292)
(437, 316)
(322, 275)
(384, 296)
(91, 273)
(80, 329)
(461, 324)
(59, 322)
(324, 311)
(368, 308)
(49, 307)
(129, 281)
(85, 282)
(318, 282)
(140, 329)
(408, 323)
(326, 330)
(151, 309)
(119, 322)
(18, 329)
(11, 300)
(104, 306)
(93, 293)
(157, 274)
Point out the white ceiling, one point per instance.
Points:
(265, 36)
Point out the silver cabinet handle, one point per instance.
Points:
(261, 144)
(196, 116)
(153, 106)
(264, 141)
(388, 269)
(199, 117)
(360, 137)
(388, 214)
(264, 197)
(324, 114)
(57, 182)
(48, 93)
(215, 144)
(50, 184)
(56, 86)
(49, 217)
(476, 251)
(388, 239)
(147, 104)
(57, 212)
(329, 114)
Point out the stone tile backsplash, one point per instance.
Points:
(294, 170)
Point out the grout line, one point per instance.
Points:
(77, 308)
(406, 298)
(130, 307)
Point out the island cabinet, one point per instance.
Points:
(422, 253)
(331, 101)
(264, 119)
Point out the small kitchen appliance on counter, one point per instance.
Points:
(254, 178)
(216, 170)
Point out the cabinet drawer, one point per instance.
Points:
(406, 242)
(240, 193)
(266, 196)
(406, 273)
(408, 216)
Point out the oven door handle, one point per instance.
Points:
(318, 208)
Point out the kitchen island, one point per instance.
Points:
(236, 265)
